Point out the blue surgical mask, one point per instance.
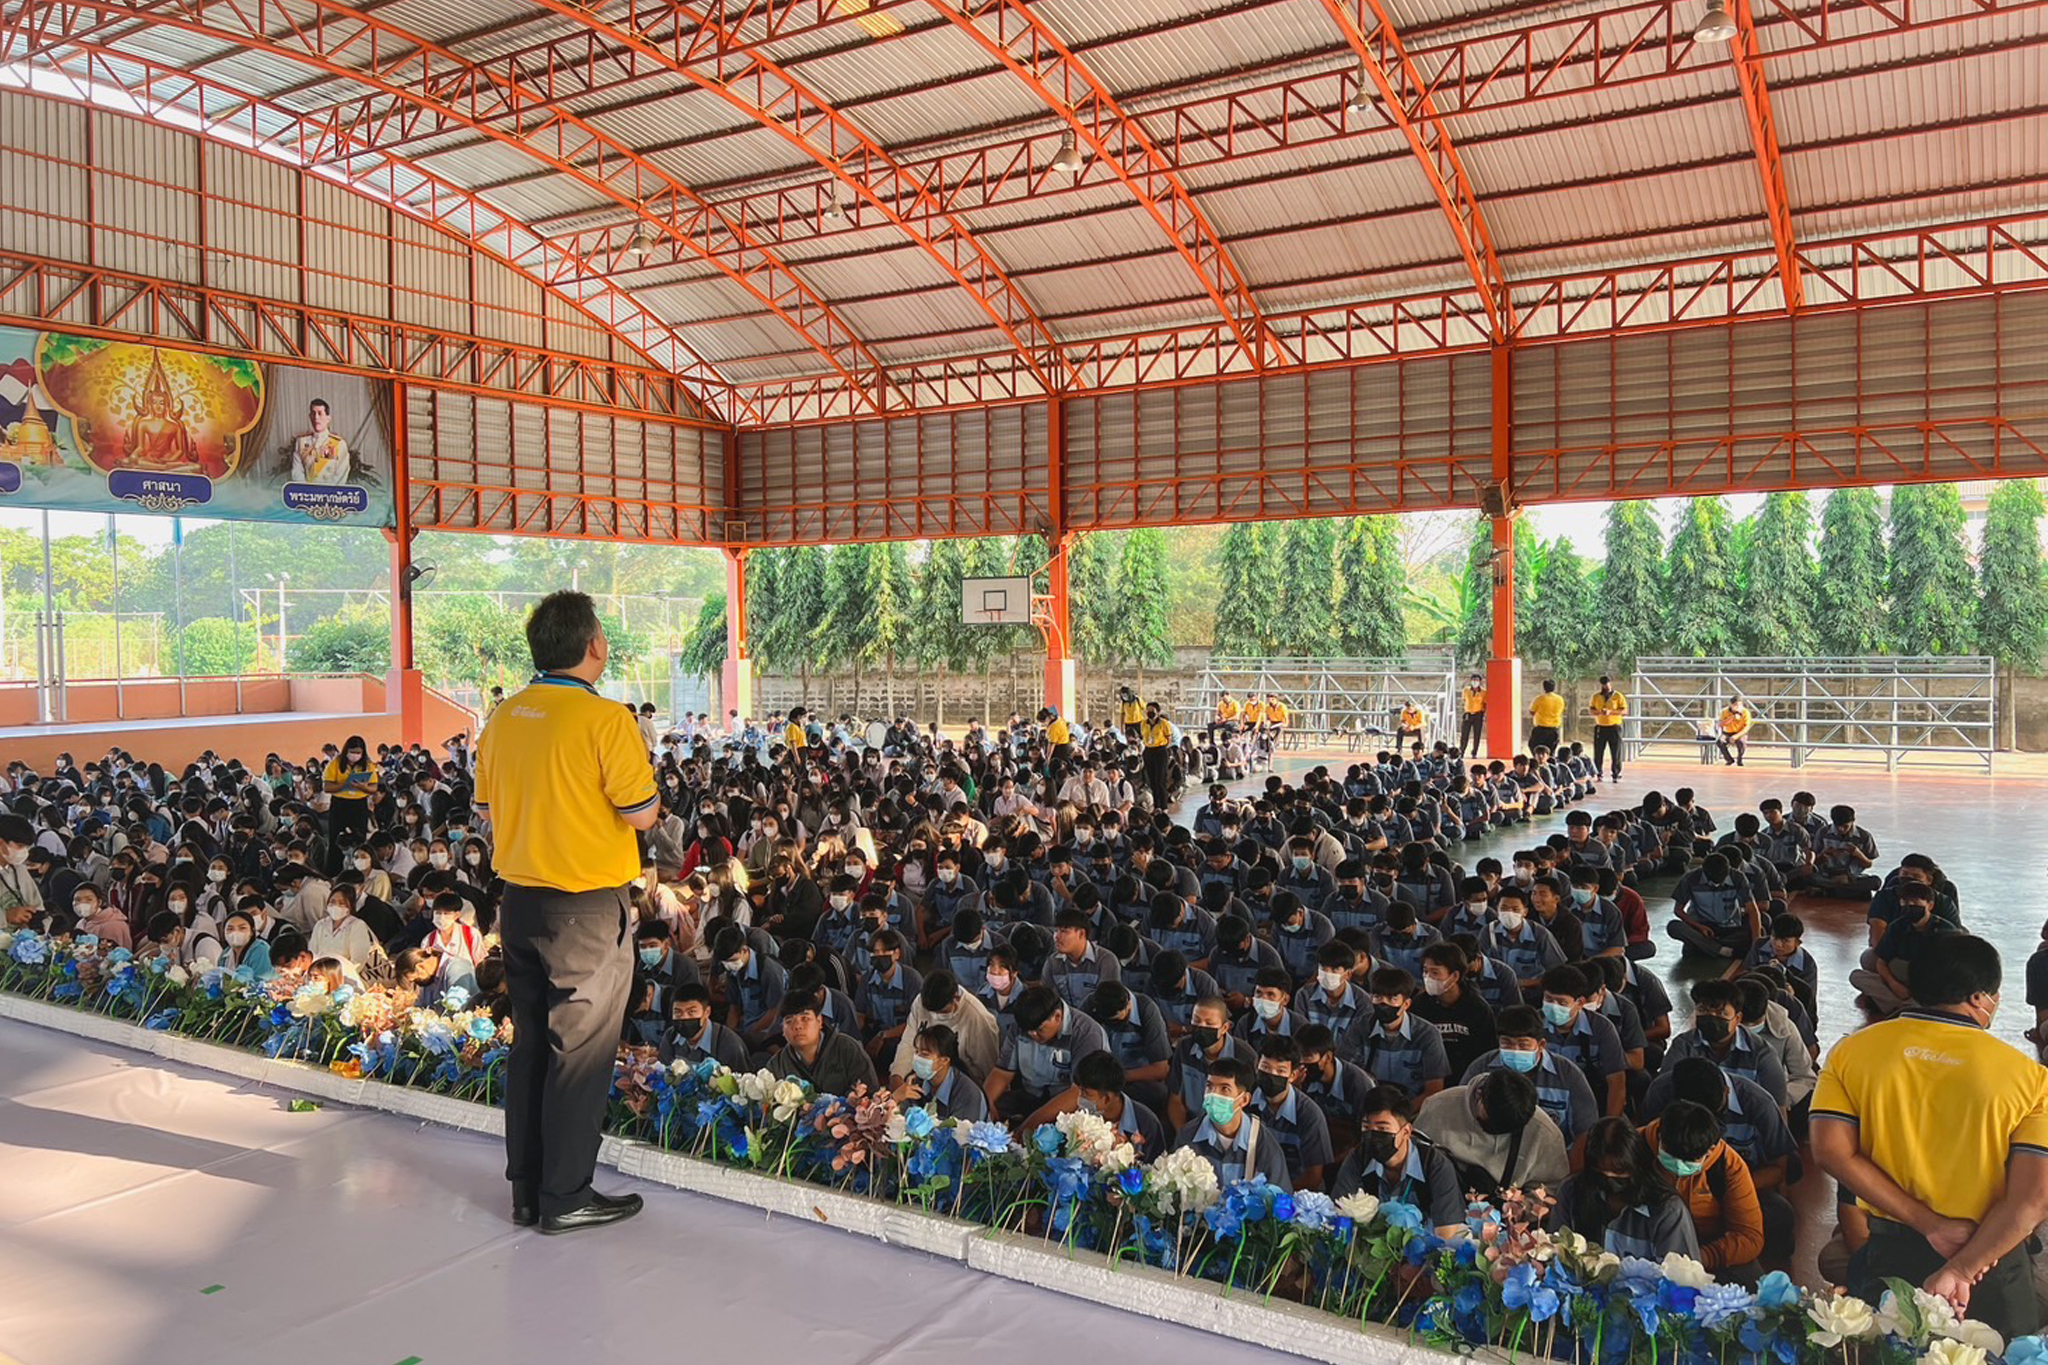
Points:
(1514, 1059)
(922, 1067)
(650, 957)
(1556, 1013)
(1582, 895)
(1677, 1167)
(1219, 1109)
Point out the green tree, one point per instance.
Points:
(798, 604)
(845, 632)
(1932, 588)
(764, 579)
(1307, 574)
(355, 639)
(1141, 587)
(1563, 627)
(886, 597)
(2012, 621)
(1372, 588)
(1244, 607)
(1849, 609)
(938, 638)
(1699, 579)
(213, 646)
(469, 640)
(1091, 605)
(1475, 623)
(1630, 586)
(1778, 584)
(703, 648)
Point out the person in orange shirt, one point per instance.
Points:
(1225, 723)
(1734, 732)
(1413, 720)
(1715, 1183)
(1472, 728)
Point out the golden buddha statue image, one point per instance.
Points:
(157, 437)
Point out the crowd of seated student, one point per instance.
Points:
(1306, 984)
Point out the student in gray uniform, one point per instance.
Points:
(1622, 1200)
(1235, 1141)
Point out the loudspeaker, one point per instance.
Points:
(1493, 499)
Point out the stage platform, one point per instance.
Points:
(153, 1213)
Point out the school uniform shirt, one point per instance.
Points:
(1140, 1040)
(1297, 947)
(973, 1025)
(1746, 1058)
(1141, 1128)
(1187, 1073)
(1466, 1027)
(1620, 1011)
(1648, 1232)
(1342, 1097)
(1048, 1068)
(1179, 1006)
(716, 1042)
(1253, 1151)
(348, 939)
(1751, 1122)
(1365, 911)
(1427, 1180)
(1411, 1055)
(1193, 935)
(1238, 972)
(957, 1097)
(1338, 1015)
(1496, 982)
(1786, 846)
(1601, 928)
(1561, 1089)
(885, 1001)
(1298, 1126)
(1831, 851)
(1529, 952)
(1075, 981)
(968, 962)
(756, 988)
(1591, 1043)
(1404, 950)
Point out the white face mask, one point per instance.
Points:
(238, 938)
(472, 858)
(1330, 979)
(1511, 920)
(363, 864)
(84, 909)
(17, 855)
(337, 911)
(176, 905)
(1435, 985)
(216, 875)
(444, 924)
(841, 900)
(1269, 1010)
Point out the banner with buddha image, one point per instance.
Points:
(93, 425)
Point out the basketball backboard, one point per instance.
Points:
(995, 601)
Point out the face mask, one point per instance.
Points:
(735, 965)
(216, 874)
(1219, 1109)
(841, 900)
(1271, 1086)
(1330, 979)
(1713, 1027)
(84, 909)
(1302, 864)
(995, 862)
(1268, 1010)
(922, 1066)
(1435, 985)
(1511, 920)
(949, 875)
(1677, 1167)
(437, 860)
(1385, 1013)
(17, 856)
(1000, 982)
(238, 938)
(1208, 1035)
(362, 864)
(1377, 1146)
(690, 1025)
(1525, 875)
(337, 912)
(884, 963)
(649, 957)
(1582, 896)
(1515, 1059)
(854, 870)
(1556, 1014)
(444, 924)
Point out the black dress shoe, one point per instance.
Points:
(601, 1209)
(525, 1206)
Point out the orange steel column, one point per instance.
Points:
(405, 687)
(1504, 669)
(1055, 618)
(736, 682)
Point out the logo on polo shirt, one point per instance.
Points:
(1926, 1054)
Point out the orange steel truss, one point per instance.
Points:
(1763, 133)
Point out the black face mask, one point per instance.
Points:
(1386, 1014)
(1713, 1028)
(1271, 1086)
(1377, 1146)
(1208, 1035)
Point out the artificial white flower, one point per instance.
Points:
(787, 1098)
(308, 1004)
(177, 976)
(1942, 1351)
(1359, 1207)
(1936, 1318)
(1981, 1335)
(898, 1130)
(1843, 1317)
(1121, 1157)
(1185, 1180)
(756, 1087)
(1685, 1272)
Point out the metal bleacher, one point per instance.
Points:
(1333, 701)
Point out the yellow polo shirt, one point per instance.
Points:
(1133, 713)
(1058, 732)
(556, 768)
(1939, 1104)
(1411, 718)
(793, 736)
(1548, 709)
(1475, 701)
(1734, 722)
(1226, 709)
(1276, 713)
(1609, 710)
(1158, 733)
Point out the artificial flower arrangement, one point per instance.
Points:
(1501, 1282)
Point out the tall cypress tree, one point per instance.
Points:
(887, 595)
(1142, 636)
(2012, 621)
(1475, 624)
(1699, 582)
(1308, 562)
(938, 638)
(1777, 593)
(1243, 606)
(844, 631)
(1092, 611)
(764, 576)
(1849, 611)
(1372, 580)
(1933, 591)
(798, 604)
(1564, 625)
(1631, 586)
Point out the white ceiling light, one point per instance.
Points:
(1361, 100)
(1717, 25)
(833, 212)
(1070, 157)
(642, 245)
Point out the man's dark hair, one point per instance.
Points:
(1698, 1080)
(1965, 966)
(939, 990)
(1034, 1007)
(1688, 1131)
(1100, 1072)
(560, 630)
(1387, 1098)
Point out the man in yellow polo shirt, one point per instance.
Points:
(565, 781)
(1472, 726)
(1941, 1132)
(1413, 719)
(1546, 717)
(1225, 723)
(1130, 713)
(1058, 734)
(794, 740)
(1609, 709)
(1158, 735)
(1734, 728)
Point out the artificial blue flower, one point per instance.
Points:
(29, 949)
(454, 999)
(1523, 1290)
(1720, 1304)
(1223, 1221)
(2026, 1351)
(162, 1019)
(1066, 1177)
(1400, 1215)
(1676, 1298)
(919, 1123)
(1423, 1245)
(1313, 1210)
(87, 941)
(119, 954)
(1776, 1290)
(1047, 1139)
(1757, 1340)
(484, 1029)
(1344, 1227)
(1283, 1207)
(1131, 1180)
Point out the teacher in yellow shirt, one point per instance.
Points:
(1609, 709)
(1546, 717)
